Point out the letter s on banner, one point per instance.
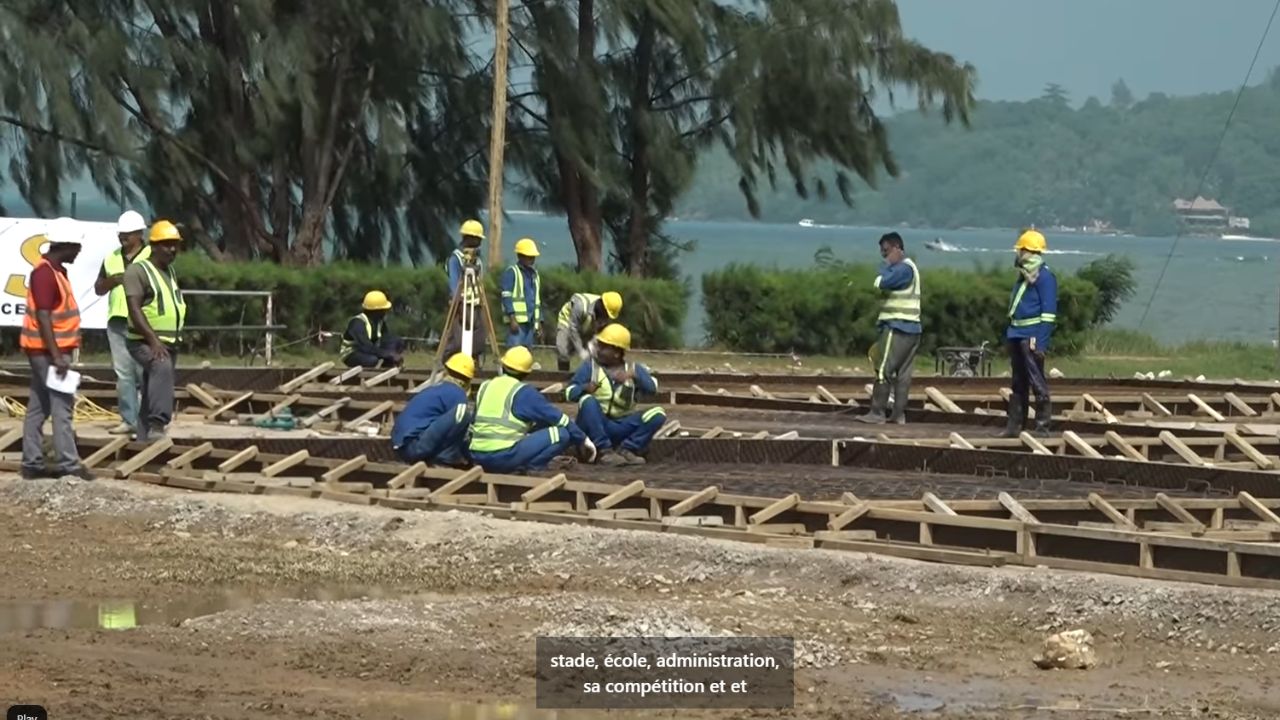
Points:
(16, 285)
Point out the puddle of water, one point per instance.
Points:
(19, 615)
(913, 702)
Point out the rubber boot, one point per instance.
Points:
(879, 402)
(1044, 416)
(1017, 416)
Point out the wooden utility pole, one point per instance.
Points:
(498, 140)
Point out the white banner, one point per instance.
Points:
(21, 248)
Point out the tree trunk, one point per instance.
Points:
(586, 236)
(637, 251)
(586, 220)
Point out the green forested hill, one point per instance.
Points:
(1047, 162)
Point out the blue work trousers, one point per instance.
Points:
(442, 442)
(631, 432)
(533, 452)
(524, 337)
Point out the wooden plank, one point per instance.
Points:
(826, 394)
(712, 433)
(379, 409)
(283, 464)
(842, 520)
(238, 459)
(106, 451)
(462, 480)
(144, 456)
(1262, 461)
(381, 377)
(280, 406)
(1205, 407)
(1240, 406)
(704, 495)
(325, 412)
(404, 477)
(544, 488)
(957, 440)
(346, 497)
(209, 401)
(935, 503)
(346, 468)
(227, 407)
(1115, 516)
(942, 401)
(1080, 446)
(1172, 507)
(671, 427)
(555, 506)
(757, 391)
(464, 499)
(347, 487)
(190, 456)
(1035, 445)
(844, 535)
(789, 435)
(1096, 405)
(694, 520)
(774, 509)
(305, 377)
(346, 375)
(1123, 446)
(1016, 509)
(623, 514)
(1251, 503)
(626, 491)
(189, 483)
(779, 528)
(1173, 442)
(1155, 406)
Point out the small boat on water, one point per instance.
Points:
(807, 222)
(941, 245)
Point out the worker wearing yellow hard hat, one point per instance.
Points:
(516, 429)
(522, 296)
(366, 342)
(157, 314)
(580, 319)
(433, 426)
(1033, 314)
(466, 257)
(606, 389)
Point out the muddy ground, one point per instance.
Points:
(379, 613)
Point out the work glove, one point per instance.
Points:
(590, 449)
(583, 354)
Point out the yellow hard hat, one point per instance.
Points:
(164, 231)
(615, 335)
(376, 300)
(518, 359)
(462, 364)
(526, 247)
(612, 304)
(473, 227)
(1031, 240)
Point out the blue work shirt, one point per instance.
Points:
(453, 266)
(1033, 308)
(644, 381)
(437, 400)
(532, 407)
(507, 287)
(898, 277)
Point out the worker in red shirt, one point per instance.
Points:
(50, 333)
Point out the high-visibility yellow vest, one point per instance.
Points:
(903, 304)
(589, 316)
(113, 265)
(472, 296)
(167, 311)
(495, 428)
(519, 302)
(349, 345)
(617, 399)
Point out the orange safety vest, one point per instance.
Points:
(65, 318)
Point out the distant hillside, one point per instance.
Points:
(1047, 163)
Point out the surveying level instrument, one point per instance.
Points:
(464, 312)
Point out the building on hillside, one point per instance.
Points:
(1207, 215)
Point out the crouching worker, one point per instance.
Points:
(516, 430)
(433, 427)
(367, 342)
(605, 390)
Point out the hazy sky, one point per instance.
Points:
(1174, 46)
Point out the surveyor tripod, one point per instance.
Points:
(463, 312)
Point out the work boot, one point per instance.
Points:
(631, 457)
(1017, 416)
(562, 462)
(123, 428)
(81, 473)
(41, 474)
(1044, 417)
(611, 458)
(871, 418)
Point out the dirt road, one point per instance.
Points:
(250, 606)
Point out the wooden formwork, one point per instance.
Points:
(1220, 541)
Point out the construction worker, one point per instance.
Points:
(605, 389)
(522, 297)
(50, 334)
(129, 229)
(1033, 308)
(580, 319)
(367, 342)
(433, 427)
(157, 313)
(899, 324)
(516, 429)
(467, 256)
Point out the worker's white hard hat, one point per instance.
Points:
(64, 231)
(130, 221)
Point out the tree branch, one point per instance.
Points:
(63, 137)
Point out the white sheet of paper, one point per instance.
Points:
(68, 384)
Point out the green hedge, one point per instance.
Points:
(832, 310)
(308, 300)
